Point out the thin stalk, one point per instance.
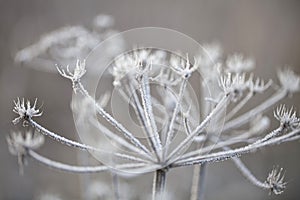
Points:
(82, 159)
(75, 144)
(175, 112)
(197, 191)
(137, 107)
(239, 106)
(139, 111)
(186, 126)
(159, 184)
(247, 173)
(238, 139)
(118, 139)
(243, 119)
(149, 116)
(223, 155)
(141, 116)
(59, 138)
(113, 121)
(185, 143)
(244, 170)
(77, 169)
(270, 135)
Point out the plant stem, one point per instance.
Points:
(244, 118)
(223, 155)
(197, 191)
(114, 122)
(239, 106)
(116, 185)
(170, 136)
(159, 184)
(77, 169)
(187, 141)
(149, 116)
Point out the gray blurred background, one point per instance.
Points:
(266, 30)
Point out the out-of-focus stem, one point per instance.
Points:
(116, 185)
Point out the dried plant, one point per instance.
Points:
(68, 43)
(176, 133)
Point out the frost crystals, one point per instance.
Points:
(286, 117)
(75, 77)
(275, 181)
(25, 110)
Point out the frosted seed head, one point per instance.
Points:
(287, 117)
(68, 42)
(75, 76)
(289, 80)
(258, 85)
(79, 70)
(275, 181)
(25, 110)
(123, 66)
(209, 55)
(236, 63)
(233, 85)
(183, 67)
(19, 143)
(133, 63)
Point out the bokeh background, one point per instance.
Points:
(266, 30)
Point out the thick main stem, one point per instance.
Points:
(197, 191)
(159, 184)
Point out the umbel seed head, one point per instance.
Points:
(25, 110)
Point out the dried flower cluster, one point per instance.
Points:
(25, 110)
(66, 44)
(19, 144)
(155, 84)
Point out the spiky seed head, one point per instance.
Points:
(287, 117)
(275, 181)
(75, 77)
(234, 85)
(25, 110)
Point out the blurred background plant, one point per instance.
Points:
(266, 31)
